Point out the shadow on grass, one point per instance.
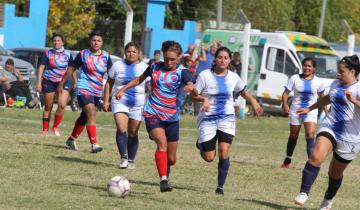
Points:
(46, 145)
(103, 189)
(268, 164)
(79, 160)
(272, 205)
(157, 185)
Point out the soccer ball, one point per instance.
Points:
(118, 186)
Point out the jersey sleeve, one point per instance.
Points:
(43, 59)
(321, 87)
(290, 84)
(186, 76)
(200, 83)
(240, 85)
(112, 71)
(148, 71)
(77, 61)
(109, 63)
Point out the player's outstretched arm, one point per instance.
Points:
(322, 102)
(136, 81)
(256, 106)
(352, 98)
(70, 70)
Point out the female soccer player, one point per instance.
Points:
(52, 68)
(128, 110)
(339, 133)
(161, 111)
(93, 63)
(216, 120)
(307, 87)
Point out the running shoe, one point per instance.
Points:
(301, 198)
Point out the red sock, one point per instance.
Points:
(57, 120)
(77, 130)
(91, 130)
(45, 124)
(161, 162)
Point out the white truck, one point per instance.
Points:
(275, 56)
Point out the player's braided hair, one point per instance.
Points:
(351, 62)
(171, 45)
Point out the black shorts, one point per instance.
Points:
(220, 136)
(333, 142)
(171, 128)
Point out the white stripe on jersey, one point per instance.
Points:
(123, 73)
(305, 91)
(219, 90)
(344, 117)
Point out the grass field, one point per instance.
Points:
(38, 172)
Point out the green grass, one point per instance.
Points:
(38, 172)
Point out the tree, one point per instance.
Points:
(71, 18)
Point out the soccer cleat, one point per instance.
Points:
(326, 204)
(164, 186)
(123, 163)
(56, 131)
(45, 132)
(95, 148)
(71, 144)
(131, 165)
(301, 198)
(219, 191)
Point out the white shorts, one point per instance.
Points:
(135, 113)
(207, 127)
(345, 149)
(295, 119)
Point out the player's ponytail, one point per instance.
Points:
(351, 62)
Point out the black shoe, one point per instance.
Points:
(164, 186)
(219, 191)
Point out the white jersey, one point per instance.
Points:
(123, 73)
(219, 90)
(305, 91)
(344, 118)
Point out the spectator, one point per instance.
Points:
(156, 59)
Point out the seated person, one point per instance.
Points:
(12, 81)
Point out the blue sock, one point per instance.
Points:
(310, 173)
(223, 168)
(309, 146)
(122, 141)
(333, 187)
(290, 146)
(132, 147)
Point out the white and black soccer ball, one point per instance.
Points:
(119, 186)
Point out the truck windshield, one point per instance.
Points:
(326, 65)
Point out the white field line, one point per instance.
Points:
(107, 127)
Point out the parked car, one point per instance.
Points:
(27, 69)
(33, 55)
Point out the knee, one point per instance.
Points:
(48, 108)
(207, 158)
(162, 145)
(294, 136)
(61, 107)
(309, 135)
(335, 175)
(171, 160)
(316, 159)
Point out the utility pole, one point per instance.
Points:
(322, 18)
(351, 37)
(129, 21)
(218, 14)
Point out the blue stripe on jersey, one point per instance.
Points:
(129, 75)
(339, 106)
(222, 95)
(305, 95)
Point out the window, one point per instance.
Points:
(22, 7)
(275, 60)
(290, 67)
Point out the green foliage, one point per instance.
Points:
(71, 18)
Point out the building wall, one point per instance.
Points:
(155, 20)
(25, 31)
